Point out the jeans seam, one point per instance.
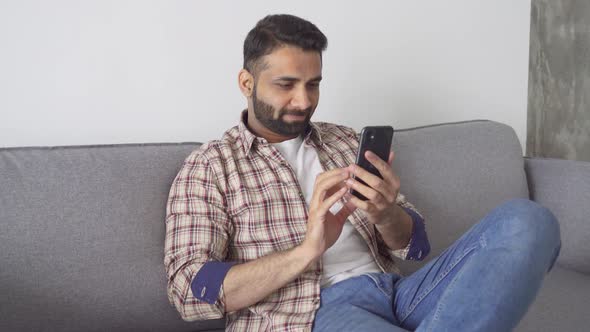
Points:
(439, 306)
(378, 284)
(435, 283)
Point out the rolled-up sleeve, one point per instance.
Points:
(208, 281)
(197, 232)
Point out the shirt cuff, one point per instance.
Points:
(206, 284)
(419, 246)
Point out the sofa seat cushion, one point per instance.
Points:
(561, 305)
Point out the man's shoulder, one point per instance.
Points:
(334, 132)
(218, 149)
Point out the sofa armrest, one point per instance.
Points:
(563, 186)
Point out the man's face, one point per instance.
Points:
(286, 91)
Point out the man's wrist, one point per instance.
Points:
(393, 219)
(305, 255)
(392, 229)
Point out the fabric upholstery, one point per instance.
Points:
(563, 186)
(561, 305)
(82, 227)
(455, 174)
(82, 238)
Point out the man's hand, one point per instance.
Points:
(381, 193)
(323, 227)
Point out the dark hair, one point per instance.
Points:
(275, 31)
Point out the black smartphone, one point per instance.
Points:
(376, 139)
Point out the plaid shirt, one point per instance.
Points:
(237, 199)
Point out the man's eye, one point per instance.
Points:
(284, 85)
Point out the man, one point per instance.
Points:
(261, 229)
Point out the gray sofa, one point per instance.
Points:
(82, 227)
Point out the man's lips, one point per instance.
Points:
(295, 116)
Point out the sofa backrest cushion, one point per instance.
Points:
(456, 173)
(82, 238)
(563, 186)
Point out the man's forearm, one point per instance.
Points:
(246, 284)
(397, 230)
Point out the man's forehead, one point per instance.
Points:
(291, 62)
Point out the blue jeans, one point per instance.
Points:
(485, 281)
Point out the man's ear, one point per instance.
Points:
(246, 82)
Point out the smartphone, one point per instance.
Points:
(376, 139)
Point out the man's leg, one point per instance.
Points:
(488, 278)
(356, 304)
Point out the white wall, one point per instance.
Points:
(97, 72)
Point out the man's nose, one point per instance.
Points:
(301, 99)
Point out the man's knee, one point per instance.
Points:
(534, 225)
(529, 215)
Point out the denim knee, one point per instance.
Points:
(536, 225)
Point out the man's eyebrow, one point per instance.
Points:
(286, 78)
(295, 79)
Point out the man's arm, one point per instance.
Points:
(403, 231)
(197, 234)
(246, 284)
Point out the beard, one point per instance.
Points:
(265, 114)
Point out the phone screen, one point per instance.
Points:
(376, 139)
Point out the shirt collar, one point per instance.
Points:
(311, 136)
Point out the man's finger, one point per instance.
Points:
(383, 186)
(346, 210)
(383, 167)
(331, 200)
(360, 204)
(366, 191)
(324, 182)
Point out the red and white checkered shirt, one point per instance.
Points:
(237, 199)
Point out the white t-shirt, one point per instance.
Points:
(349, 256)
